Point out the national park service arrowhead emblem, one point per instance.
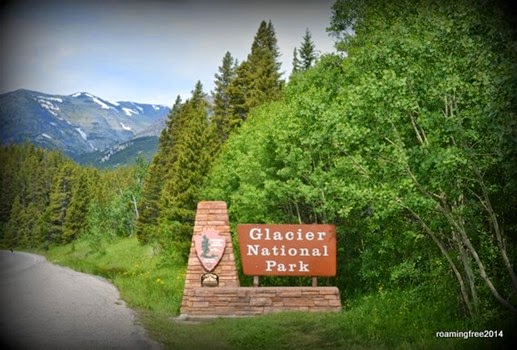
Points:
(209, 248)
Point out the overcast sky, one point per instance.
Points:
(142, 51)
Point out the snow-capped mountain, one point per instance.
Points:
(76, 124)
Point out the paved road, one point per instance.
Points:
(44, 306)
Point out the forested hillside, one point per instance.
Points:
(404, 139)
(46, 199)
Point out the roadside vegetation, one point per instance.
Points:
(404, 138)
(394, 319)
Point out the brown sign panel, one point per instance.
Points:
(288, 250)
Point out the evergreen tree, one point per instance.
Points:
(197, 94)
(257, 79)
(165, 142)
(193, 150)
(264, 67)
(27, 173)
(307, 51)
(148, 208)
(11, 234)
(223, 79)
(237, 94)
(58, 205)
(296, 62)
(76, 220)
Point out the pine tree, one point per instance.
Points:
(148, 208)
(257, 79)
(11, 234)
(307, 52)
(197, 94)
(296, 62)
(222, 106)
(264, 67)
(165, 142)
(75, 221)
(237, 93)
(59, 203)
(193, 150)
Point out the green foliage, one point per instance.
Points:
(395, 319)
(26, 177)
(385, 320)
(60, 198)
(399, 145)
(76, 217)
(296, 62)
(257, 79)
(148, 208)
(145, 280)
(190, 160)
(58, 201)
(307, 52)
(222, 103)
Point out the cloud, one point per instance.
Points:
(127, 49)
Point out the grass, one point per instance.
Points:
(144, 279)
(153, 286)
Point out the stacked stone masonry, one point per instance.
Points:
(212, 216)
(250, 301)
(228, 299)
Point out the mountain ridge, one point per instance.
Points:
(76, 124)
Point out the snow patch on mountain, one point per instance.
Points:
(125, 127)
(83, 134)
(99, 102)
(129, 111)
(137, 106)
(47, 136)
(48, 105)
(55, 99)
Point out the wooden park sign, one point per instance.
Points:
(288, 250)
(212, 285)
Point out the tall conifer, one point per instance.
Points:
(264, 67)
(75, 220)
(59, 203)
(296, 62)
(148, 208)
(307, 51)
(222, 101)
(193, 153)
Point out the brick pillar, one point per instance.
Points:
(210, 216)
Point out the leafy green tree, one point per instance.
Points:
(404, 143)
(454, 115)
(27, 173)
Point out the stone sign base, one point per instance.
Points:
(228, 299)
(251, 301)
